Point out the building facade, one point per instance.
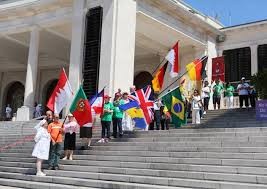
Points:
(107, 43)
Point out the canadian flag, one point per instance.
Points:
(97, 102)
(173, 58)
(61, 94)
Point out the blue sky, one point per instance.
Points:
(232, 12)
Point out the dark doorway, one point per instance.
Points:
(142, 79)
(15, 96)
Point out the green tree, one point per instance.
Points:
(259, 80)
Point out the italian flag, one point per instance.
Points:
(61, 94)
(81, 108)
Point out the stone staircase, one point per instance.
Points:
(209, 156)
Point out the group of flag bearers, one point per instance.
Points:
(138, 109)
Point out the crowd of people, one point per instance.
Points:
(50, 130)
(198, 103)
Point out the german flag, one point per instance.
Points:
(157, 82)
(196, 69)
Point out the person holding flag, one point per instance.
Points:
(82, 111)
(106, 119)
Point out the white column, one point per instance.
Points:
(117, 45)
(77, 39)
(254, 59)
(25, 113)
(211, 53)
(1, 93)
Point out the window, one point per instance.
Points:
(92, 47)
(262, 57)
(237, 64)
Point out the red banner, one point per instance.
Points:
(218, 68)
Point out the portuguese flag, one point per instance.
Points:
(81, 108)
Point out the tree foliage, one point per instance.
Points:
(259, 80)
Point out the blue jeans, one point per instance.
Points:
(54, 155)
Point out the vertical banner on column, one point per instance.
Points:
(261, 110)
(218, 69)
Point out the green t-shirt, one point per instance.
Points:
(107, 116)
(217, 90)
(229, 91)
(117, 112)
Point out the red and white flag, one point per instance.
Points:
(97, 102)
(173, 58)
(61, 94)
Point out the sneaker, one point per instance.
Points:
(70, 158)
(106, 140)
(56, 168)
(50, 168)
(40, 174)
(204, 113)
(101, 140)
(65, 158)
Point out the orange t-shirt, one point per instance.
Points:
(54, 130)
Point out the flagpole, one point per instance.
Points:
(200, 61)
(158, 66)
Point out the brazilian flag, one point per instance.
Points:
(174, 101)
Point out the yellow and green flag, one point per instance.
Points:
(175, 104)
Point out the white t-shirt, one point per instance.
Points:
(243, 89)
(206, 92)
(157, 105)
(196, 102)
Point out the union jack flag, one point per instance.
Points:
(145, 99)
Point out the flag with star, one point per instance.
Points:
(174, 101)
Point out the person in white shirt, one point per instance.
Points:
(196, 106)
(243, 92)
(8, 112)
(70, 130)
(206, 96)
(42, 146)
(157, 114)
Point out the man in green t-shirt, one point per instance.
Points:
(117, 115)
(217, 92)
(229, 94)
(106, 119)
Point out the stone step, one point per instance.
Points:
(95, 183)
(34, 185)
(179, 167)
(169, 149)
(165, 145)
(150, 176)
(151, 161)
(86, 154)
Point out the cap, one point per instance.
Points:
(70, 115)
(243, 78)
(107, 96)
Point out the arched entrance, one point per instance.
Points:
(15, 96)
(48, 90)
(142, 79)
